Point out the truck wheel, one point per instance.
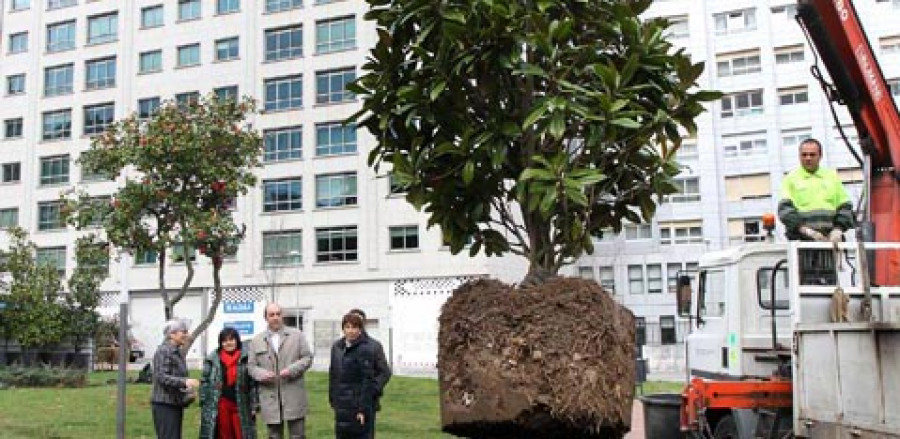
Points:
(726, 428)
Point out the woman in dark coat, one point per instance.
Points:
(351, 381)
(171, 385)
(228, 397)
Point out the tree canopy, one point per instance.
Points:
(528, 127)
(182, 168)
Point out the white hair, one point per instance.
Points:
(174, 325)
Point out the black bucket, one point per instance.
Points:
(662, 415)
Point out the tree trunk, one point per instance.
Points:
(211, 312)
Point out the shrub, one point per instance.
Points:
(42, 376)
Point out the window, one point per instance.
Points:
(334, 138)
(688, 190)
(54, 170)
(748, 187)
(283, 144)
(97, 118)
(331, 86)
(336, 244)
(333, 190)
(284, 43)
(712, 293)
(229, 93)
(636, 279)
(792, 95)
(18, 42)
(654, 278)
(187, 98)
(636, 232)
(188, 9)
(282, 5)
(146, 257)
(790, 138)
(58, 80)
(607, 279)
(152, 16)
(672, 270)
(52, 256)
(100, 202)
(586, 272)
(889, 44)
(640, 331)
(90, 175)
(227, 49)
(745, 145)
(282, 195)
(667, 330)
(178, 253)
(746, 230)
(789, 54)
(395, 187)
(100, 73)
(404, 237)
(680, 232)
(740, 63)
(12, 128)
(850, 176)
(11, 172)
(335, 34)
(9, 218)
(894, 85)
(735, 21)
(61, 36)
(742, 103)
(282, 248)
(150, 62)
(18, 5)
(57, 125)
(103, 28)
(147, 107)
(784, 12)
(49, 216)
(226, 6)
(284, 93)
(688, 150)
(189, 55)
(15, 84)
(678, 27)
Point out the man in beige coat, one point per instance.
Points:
(279, 357)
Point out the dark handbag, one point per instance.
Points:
(346, 424)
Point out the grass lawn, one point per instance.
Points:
(409, 410)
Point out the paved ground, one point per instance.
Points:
(637, 421)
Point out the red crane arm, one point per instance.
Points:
(838, 37)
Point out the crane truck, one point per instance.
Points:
(772, 357)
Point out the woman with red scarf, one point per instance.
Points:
(228, 398)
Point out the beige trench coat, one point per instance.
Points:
(282, 399)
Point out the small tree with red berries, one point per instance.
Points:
(181, 171)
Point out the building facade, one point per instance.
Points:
(325, 232)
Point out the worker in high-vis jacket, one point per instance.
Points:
(814, 206)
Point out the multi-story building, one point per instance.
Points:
(325, 233)
(757, 55)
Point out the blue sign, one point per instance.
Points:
(243, 327)
(238, 307)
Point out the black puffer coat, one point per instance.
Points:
(352, 387)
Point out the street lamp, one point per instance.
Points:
(124, 262)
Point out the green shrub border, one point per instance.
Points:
(41, 376)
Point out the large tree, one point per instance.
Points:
(528, 127)
(183, 168)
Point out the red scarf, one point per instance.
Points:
(230, 360)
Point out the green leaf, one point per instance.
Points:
(535, 114)
(557, 126)
(625, 123)
(468, 173)
(437, 90)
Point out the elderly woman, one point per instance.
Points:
(228, 395)
(351, 381)
(171, 384)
